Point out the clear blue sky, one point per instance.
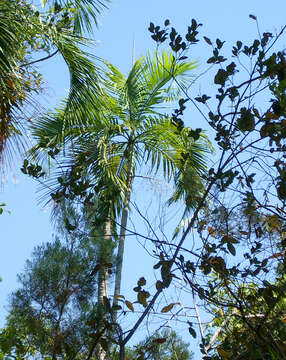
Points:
(28, 224)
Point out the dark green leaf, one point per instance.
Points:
(192, 332)
(231, 248)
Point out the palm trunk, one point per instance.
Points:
(104, 260)
(123, 224)
(103, 284)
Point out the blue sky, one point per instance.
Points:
(124, 23)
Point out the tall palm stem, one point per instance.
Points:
(103, 275)
(123, 224)
(103, 270)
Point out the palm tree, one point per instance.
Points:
(108, 146)
(149, 135)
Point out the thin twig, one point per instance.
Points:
(39, 60)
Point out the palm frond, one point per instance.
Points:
(191, 170)
(160, 71)
(7, 37)
(158, 137)
(123, 92)
(84, 74)
(81, 108)
(85, 12)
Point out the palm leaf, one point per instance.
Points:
(85, 12)
(158, 137)
(159, 75)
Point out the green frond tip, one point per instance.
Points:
(85, 12)
(154, 80)
(191, 170)
(161, 67)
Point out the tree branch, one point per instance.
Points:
(39, 60)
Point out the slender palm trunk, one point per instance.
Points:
(102, 291)
(123, 224)
(104, 260)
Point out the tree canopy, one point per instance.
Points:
(220, 272)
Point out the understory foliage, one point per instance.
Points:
(54, 310)
(226, 258)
